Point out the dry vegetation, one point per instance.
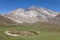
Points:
(22, 32)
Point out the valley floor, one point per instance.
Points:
(46, 31)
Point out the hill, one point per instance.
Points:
(5, 20)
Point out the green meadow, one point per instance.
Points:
(46, 31)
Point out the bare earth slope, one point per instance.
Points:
(5, 20)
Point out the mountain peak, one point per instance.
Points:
(18, 8)
(33, 7)
(42, 8)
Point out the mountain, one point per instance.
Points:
(31, 15)
(5, 20)
(56, 19)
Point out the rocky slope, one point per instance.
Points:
(56, 19)
(5, 20)
(31, 15)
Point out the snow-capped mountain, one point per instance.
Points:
(31, 15)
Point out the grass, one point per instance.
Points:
(46, 31)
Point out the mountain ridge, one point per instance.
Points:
(32, 15)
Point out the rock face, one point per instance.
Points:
(5, 20)
(56, 20)
(31, 15)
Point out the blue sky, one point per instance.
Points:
(8, 5)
